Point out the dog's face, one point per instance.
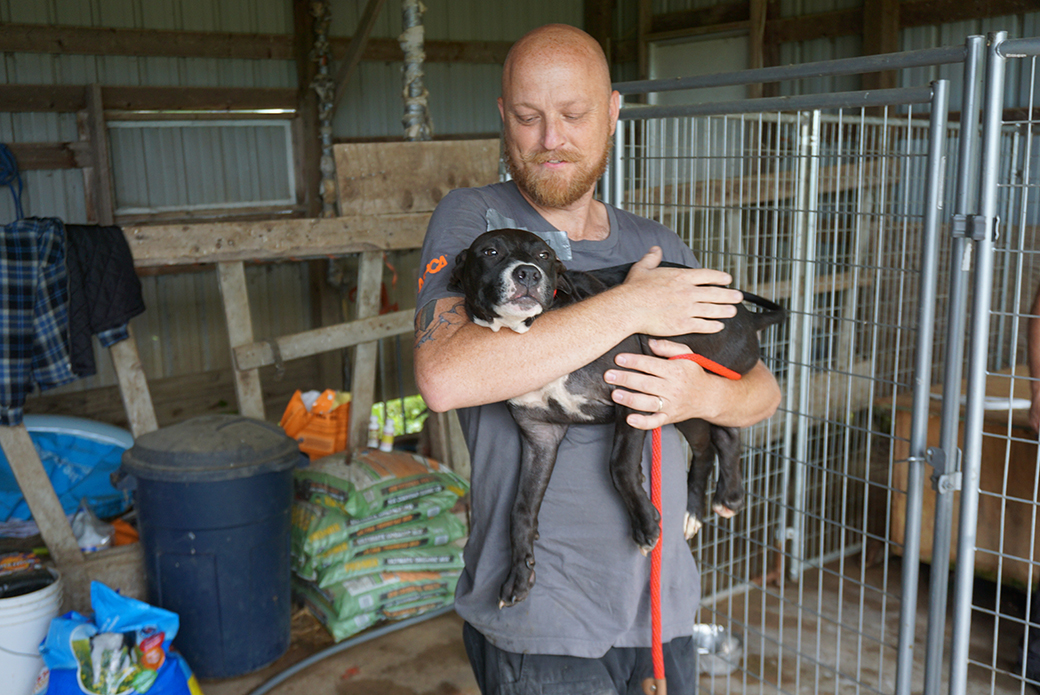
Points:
(508, 277)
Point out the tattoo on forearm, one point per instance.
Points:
(428, 322)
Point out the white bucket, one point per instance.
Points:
(24, 621)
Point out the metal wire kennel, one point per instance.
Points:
(858, 212)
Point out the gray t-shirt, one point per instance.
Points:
(591, 588)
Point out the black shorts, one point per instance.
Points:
(621, 671)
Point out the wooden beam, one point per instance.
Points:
(363, 369)
(756, 42)
(599, 23)
(273, 240)
(308, 152)
(21, 98)
(724, 13)
(133, 386)
(36, 156)
(343, 335)
(63, 40)
(645, 27)
(355, 50)
(40, 496)
(100, 186)
(235, 296)
(880, 35)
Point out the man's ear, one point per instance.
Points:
(455, 279)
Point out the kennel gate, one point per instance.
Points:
(839, 206)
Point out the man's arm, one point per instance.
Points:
(687, 391)
(1033, 353)
(459, 364)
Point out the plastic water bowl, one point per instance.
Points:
(719, 651)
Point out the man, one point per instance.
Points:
(587, 618)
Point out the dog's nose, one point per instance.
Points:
(527, 275)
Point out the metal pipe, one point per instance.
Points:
(922, 383)
(845, 66)
(979, 336)
(1020, 48)
(807, 102)
(960, 263)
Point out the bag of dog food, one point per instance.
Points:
(381, 591)
(384, 538)
(343, 624)
(123, 650)
(374, 481)
(316, 528)
(437, 559)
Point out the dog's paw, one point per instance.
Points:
(647, 532)
(518, 584)
(728, 504)
(691, 526)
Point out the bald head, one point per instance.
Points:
(556, 46)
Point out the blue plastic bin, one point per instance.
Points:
(214, 497)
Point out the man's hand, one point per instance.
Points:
(676, 301)
(677, 390)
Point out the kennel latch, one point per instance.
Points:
(975, 227)
(944, 478)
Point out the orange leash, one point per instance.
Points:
(657, 684)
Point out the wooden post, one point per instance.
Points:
(40, 496)
(98, 178)
(133, 387)
(646, 16)
(880, 35)
(363, 381)
(232, 277)
(307, 108)
(599, 23)
(756, 43)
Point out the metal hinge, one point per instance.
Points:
(946, 478)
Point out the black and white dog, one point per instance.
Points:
(508, 277)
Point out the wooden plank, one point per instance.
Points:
(40, 496)
(599, 23)
(355, 50)
(388, 178)
(120, 567)
(41, 38)
(756, 42)
(45, 156)
(880, 35)
(819, 25)
(133, 386)
(20, 98)
(318, 340)
(178, 398)
(273, 240)
(723, 13)
(100, 173)
(363, 369)
(308, 139)
(232, 278)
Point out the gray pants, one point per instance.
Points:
(620, 671)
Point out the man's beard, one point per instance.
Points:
(551, 189)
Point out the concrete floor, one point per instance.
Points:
(425, 659)
(429, 658)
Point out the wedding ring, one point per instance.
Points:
(660, 404)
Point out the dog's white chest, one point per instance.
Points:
(555, 392)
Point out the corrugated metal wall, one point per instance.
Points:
(183, 331)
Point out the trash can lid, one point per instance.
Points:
(211, 448)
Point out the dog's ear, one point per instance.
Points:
(564, 283)
(455, 279)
